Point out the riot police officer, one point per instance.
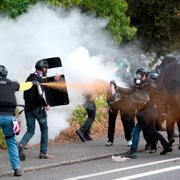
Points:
(146, 118)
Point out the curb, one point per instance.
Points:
(63, 163)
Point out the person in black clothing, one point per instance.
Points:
(146, 116)
(35, 109)
(8, 122)
(84, 131)
(127, 118)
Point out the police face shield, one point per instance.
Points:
(55, 97)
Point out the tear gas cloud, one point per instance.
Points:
(86, 51)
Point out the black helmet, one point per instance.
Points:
(3, 71)
(41, 64)
(142, 71)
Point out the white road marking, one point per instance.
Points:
(149, 173)
(122, 169)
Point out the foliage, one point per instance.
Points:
(154, 19)
(14, 8)
(65, 3)
(115, 12)
(80, 113)
(101, 106)
(2, 140)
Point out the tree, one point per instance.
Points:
(113, 10)
(14, 8)
(154, 20)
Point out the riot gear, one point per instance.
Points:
(3, 71)
(41, 64)
(141, 76)
(142, 71)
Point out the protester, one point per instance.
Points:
(84, 131)
(8, 121)
(35, 109)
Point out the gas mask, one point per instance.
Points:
(137, 79)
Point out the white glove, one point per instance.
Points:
(16, 127)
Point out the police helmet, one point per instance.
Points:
(3, 71)
(41, 64)
(142, 71)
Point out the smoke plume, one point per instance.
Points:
(86, 50)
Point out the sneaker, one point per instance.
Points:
(22, 156)
(151, 151)
(26, 147)
(129, 143)
(109, 143)
(45, 156)
(80, 133)
(17, 172)
(166, 149)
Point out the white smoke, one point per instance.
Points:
(79, 40)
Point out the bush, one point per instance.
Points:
(80, 113)
(2, 140)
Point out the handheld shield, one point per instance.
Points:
(55, 96)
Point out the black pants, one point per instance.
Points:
(147, 118)
(87, 124)
(127, 121)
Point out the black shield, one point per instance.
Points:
(56, 97)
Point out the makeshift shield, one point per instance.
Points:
(56, 97)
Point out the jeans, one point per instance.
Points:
(136, 133)
(149, 127)
(30, 122)
(7, 126)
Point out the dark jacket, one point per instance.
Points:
(32, 98)
(90, 107)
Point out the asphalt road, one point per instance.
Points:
(146, 166)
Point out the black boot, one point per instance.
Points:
(17, 172)
(132, 153)
(22, 156)
(166, 149)
(171, 141)
(80, 133)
